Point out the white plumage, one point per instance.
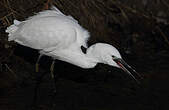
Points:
(61, 37)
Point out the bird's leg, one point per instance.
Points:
(54, 77)
(37, 85)
(37, 63)
(52, 69)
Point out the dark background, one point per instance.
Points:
(138, 28)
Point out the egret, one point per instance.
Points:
(61, 37)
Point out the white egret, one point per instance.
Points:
(61, 37)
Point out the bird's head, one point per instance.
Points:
(107, 54)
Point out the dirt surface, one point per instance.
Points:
(143, 44)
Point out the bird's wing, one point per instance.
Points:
(48, 29)
(52, 12)
(56, 10)
(45, 34)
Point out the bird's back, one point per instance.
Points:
(48, 29)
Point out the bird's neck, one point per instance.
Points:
(77, 58)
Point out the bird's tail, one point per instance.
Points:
(12, 29)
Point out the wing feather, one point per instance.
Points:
(46, 34)
(48, 30)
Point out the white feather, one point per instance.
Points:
(60, 37)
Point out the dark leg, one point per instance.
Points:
(38, 79)
(52, 69)
(55, 78)
(37, 63)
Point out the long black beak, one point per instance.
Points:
(123, 65)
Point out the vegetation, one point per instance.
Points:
(138, 28)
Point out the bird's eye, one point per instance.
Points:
(83, 49)
(113, 56)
